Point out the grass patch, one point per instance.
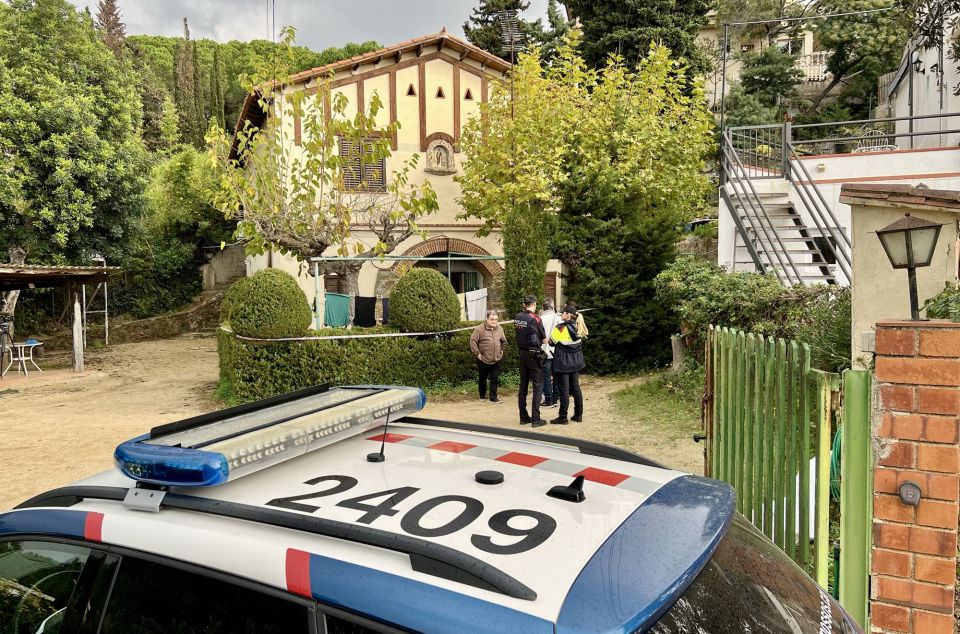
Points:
(448, 389)
(667, 403)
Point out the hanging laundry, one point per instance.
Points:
(336, 310)
(365, 312)
(386, 310)
(476, 305)
(462, 298)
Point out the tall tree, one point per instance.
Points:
(768, 17)
(72, 176)
(111, 26)
(199, 109)
(628, 28)
(216, 89)
(184, 87)
(532, 166)
(483, 26)
(556, 31)
(863, 47)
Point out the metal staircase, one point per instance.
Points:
(794, 237)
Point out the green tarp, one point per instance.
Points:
(336, 310)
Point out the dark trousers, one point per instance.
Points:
(549, 397)
(491, 371)
(569, 383)
(531, 371)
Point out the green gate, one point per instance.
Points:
(768, 419)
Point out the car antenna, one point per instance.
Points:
(378, 456)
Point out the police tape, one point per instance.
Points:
(334, 337)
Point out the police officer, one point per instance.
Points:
(530, 338)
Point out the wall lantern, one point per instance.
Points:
(909, 244)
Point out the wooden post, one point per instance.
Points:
(77, 336)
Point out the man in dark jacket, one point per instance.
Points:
(530, 336)
(567, 363)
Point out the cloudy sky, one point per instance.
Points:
(319, 23)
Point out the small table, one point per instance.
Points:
(22, 353)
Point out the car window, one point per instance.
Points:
(37, 580)
(336, 625)
(749, 585)
(152, 598)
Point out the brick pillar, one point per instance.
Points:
(917, 425)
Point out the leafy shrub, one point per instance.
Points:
(270, 304)
(703, 293)
(252, 370)
(424, 301)
(946, 305)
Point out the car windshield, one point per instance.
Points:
(751, 586)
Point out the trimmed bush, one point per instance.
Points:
(945, 305)
(251, 370)
(424, 301)
(270, 304)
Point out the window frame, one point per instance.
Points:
(377, 187)
(91, 620)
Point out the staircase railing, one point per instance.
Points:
(732, 172)
(750, 153)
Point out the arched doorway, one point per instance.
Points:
(464, 275)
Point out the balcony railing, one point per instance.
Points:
(814, 66)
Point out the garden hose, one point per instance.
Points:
(835, 466)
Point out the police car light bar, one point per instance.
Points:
(217, 448)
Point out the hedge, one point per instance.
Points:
(424, 301)
(269, 304)
(255, 370)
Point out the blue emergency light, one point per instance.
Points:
(215, 448)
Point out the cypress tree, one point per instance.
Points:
(199, 114)
(216, 89)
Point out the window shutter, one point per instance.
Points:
(362, 172)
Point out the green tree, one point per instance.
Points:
(747, 109)
(71, 179)
(304, 200)
(216, 89)
(596, 165)
(556, 31)
(185, 88)
(862, 46)
(483, 27)
(628, 28)
(768, 17)
(771, 76)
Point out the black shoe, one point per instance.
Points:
(548, 405)
(524, 421)
(559, 420)
(538, 423)
(577, 419)
(495, 400)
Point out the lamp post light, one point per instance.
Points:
(909, 244)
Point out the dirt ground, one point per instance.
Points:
(601, 423)
(58, 427)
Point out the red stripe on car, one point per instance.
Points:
(298, 572)
(522, 459)
(390, 437)
(93, 527)
(451, 446)
(610, 478)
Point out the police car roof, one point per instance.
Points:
(418, 541)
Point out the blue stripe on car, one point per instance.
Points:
(44, 522)
(651, 559)
(413, 604)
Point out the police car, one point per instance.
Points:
(335, 510)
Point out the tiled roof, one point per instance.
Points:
(905, 194)
(448, 40)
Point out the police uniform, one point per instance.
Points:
(530, 336)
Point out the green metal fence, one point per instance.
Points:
(767, 418)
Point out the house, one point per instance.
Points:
(800, 42)
(780, 209)
(431, 85)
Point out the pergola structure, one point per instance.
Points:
(19, 277)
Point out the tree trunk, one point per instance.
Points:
(679, 346)
(351, 287)
(16, 255)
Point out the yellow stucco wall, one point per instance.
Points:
(879, 292)
(442, 73)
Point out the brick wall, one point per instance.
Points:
(917, 429)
